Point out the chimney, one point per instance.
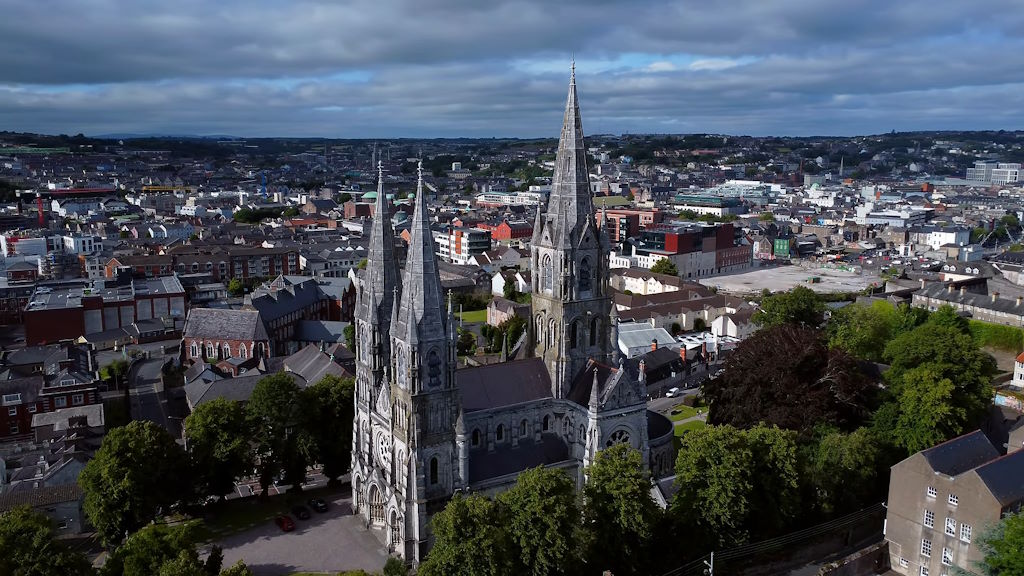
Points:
(1019, 300)
(963, 290)
(949, 288)
(922, 283)
(995, 296)
(682, 351)
(643, 371)
(654, 344)
(704, 349)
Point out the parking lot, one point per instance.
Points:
(334, 541)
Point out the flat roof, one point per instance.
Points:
(49, 297)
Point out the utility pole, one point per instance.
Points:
(710, 570)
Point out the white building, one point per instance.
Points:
(78, 244)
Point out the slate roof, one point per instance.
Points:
(221, 324)
(984, 301)
(503, 384)
(1004, 477)
(237, 389)
(312, 364)
(319, 331)
(508, 459)
(579, 392)
(292, 297)
(961, 454)
(42, 496)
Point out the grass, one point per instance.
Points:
(685, 427)
(473, 316)
(681, 412)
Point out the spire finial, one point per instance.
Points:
(572, 75)
(380, 170)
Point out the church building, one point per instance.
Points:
(424, 430)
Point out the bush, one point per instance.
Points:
(1001, 337)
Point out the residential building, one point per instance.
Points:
(213, 334)
(987, 308)
(941, 499)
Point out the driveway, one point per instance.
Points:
(334, 541)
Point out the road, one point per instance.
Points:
(147, 400)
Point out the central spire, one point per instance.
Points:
(380, 279)
(570, 204)
(422, 302)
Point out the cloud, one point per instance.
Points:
(463, 67)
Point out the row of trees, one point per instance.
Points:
(280, 431)
(543, 526)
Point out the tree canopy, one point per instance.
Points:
(218, 438)
(28, 547)
(328, 411)
(786, 376)
(620, 517)
(799, 306)
(274, 414)
(1003, 547)
(665, 266)
(542, 520)
(470, 540)
(126, 483)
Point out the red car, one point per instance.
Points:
(285, 523)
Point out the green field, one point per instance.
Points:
(682, 412)
(473, 316)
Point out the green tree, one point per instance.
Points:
(218, 436)
(1003, 547)
(733, 484)
(350, 337)
(466, 344)
(470, 540)
(327, 417)
(394, 567)
(841, 471)
(619, 515)
(160, 549)
(28, 547)
(766, 217)
(362, 264)
(290, 212)
(928, 412)
(236, 287)
(509, 290)
(274, 414)
(542, 520)
(126, 483)
(115, 372)
(798, 306)
(863, 331)
(665, 266)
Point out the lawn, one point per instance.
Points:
(682, 412)
(473, 316)
(685, 427)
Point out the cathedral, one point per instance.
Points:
(424, 431)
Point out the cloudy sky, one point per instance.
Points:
(422, 68)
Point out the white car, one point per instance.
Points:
(672, 393)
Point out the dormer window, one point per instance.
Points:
(10, 399)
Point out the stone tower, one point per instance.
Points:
(569, 258)
(423, 399)
(378, 292)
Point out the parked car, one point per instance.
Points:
(300, 512)
(672, 393)
(317, 504)
(285, 523)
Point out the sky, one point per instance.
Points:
(483, 68)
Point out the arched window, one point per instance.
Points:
(376, 505)
(522, 428)
(573, 335)
(227, 350)
(195, 350)
(618, 437)
(547, 422)
(396, 530)
(499, 434)
(262, 350)
(583, 280)
(476, 437)
(210, 351)
(433, 471)
(242, 352)
(595, 329)
(546, 274)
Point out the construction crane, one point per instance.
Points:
(167, 188)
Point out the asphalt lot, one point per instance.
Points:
(334, 541)
(782, 278)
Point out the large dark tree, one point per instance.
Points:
(328, 410)
(138, 471)
(28, 547)
(543, 520)
(787, 376)
(470, 540)
(799, 306)
(162, 550)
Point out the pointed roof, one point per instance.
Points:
(380, 279)
(570, 204)
(422, 302)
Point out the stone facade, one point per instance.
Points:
(424, 431)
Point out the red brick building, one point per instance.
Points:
(213, 334)
(222, 262)
(506, 230)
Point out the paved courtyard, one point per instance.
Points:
(782, 278)
(331, 542)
